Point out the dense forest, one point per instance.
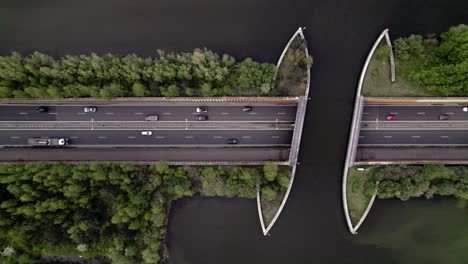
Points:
(405, 182)
(108, 209)
(437, 64)
(198, 73)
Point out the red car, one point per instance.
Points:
(391, 117)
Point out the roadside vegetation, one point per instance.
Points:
(291, 78)
(105, 209)
(407, 181)
(198, 73)
(360, 188)
(404, 182)
(425, 66)
(273, 189)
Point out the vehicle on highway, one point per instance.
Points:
(146, 133)
(391, 117)
(465, 109)
(202, 109)
(443, 117)
(152, 118)
(90, 109)
(232, 141)
(42, 109)
(202, 117)
(47, 141)
(247, 109)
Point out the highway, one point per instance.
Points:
(414, 125)
(121, 125)
(413, 112)
(81, 138)
(172, 112)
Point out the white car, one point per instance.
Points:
(202, 109)
(465, 109)
(146, 133)
(90, 109)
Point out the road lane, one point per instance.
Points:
(138, 113)
(158, 137)
(412, 112)
(413, 137)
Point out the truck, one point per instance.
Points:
(47, 141)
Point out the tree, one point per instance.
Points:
(171, 91)
(139, 89)
(270, 171)
(411, 47)
(268, 194)
(446, 69)
(111, 90)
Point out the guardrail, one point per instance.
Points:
(168, 100)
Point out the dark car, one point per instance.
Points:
(232, 141)
(202, 118)
(42, 109)
(443, 117)
(247, 109)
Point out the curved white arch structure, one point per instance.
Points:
(293, 163)
(354, 134)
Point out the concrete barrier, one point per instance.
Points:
(355, 133)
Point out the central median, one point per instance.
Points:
(414, 125)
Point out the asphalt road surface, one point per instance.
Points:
(256, 155)
(413, 137)
(458, 155)
(158, 137)
(138, 113)
(413, 112)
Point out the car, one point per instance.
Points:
(443, 117)
(247, 109)
(42, 109)
(152, 118)
(202, 117)
(465, 109)
(390, 117)
(202, 109)
(90, 109)
(232, 141)
(146, 133)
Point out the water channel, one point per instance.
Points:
(340, 33)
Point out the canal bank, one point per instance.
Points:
(312, 229)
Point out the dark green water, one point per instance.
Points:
(420, 231)
(340, 33)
